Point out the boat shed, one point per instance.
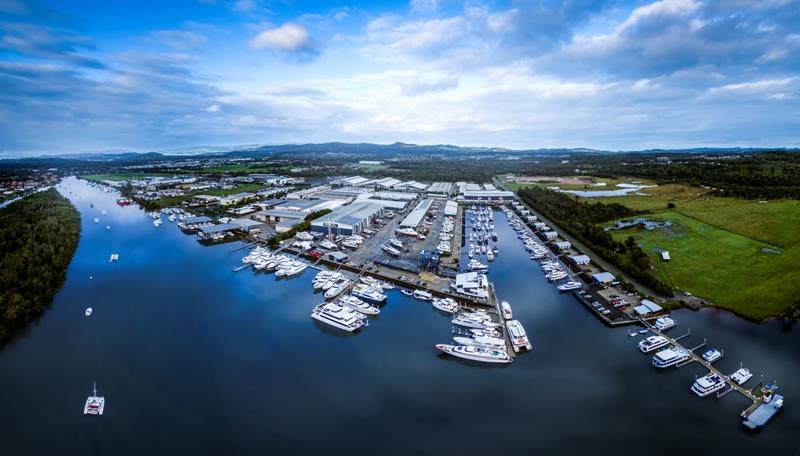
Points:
(414, 218)
(550, 234)
(488, 195)
(563, 245)
(248, 225)
(220, 228)
(581, 260)
(647, 307)
(603, 277)
(338, 257)
(200, 219)
(348, 220)
(451, 208)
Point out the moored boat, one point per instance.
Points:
(481, 354)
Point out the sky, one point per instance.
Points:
(86, 76)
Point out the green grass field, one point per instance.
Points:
(610, 183)
(716, 247)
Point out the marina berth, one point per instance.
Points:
(764, 412)
(519, 339)
(652, 343)
(480, 354)
(670, 357)
(338, 287)
(338, 316)
(368, 293)
(708, 384)
(358, 305)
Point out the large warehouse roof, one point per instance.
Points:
(351, 214)
(414, 217)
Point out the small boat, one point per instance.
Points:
(481, 354)
(88, 311)
(644, 331)
(104, 212)
(157, 222)
(396, 243)
(741, 376)
(94, 403)
(712, 355)
(96, 220)
(108, 227)
(406, 292)
(390, 250)
(114, 257)
(506, 307)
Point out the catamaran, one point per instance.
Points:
(338, 316)
(741, 376)
(519, 339)
(481, 354)
(94, 403)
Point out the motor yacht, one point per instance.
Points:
(652, 343)
(422, 295)
(390, 250)
(368, 293)
(94, 404)
(395, 243)
(481, 341)
(741, 376)
(708, 384)
(481, 354)
(475, 265)
(519, 339)
(88, 311)
(712, 355)
(670, 357)
(474, 321)
(358, 305)
(157, 222)
(569, 286)
(338, 287)
(328, 245)
(338, 316)
(664, 323)
(114, 257)
(448, 305)
(506, 308)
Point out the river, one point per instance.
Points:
(193, 358)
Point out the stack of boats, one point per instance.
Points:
(479, 338)
(554, 272)
(446, 235)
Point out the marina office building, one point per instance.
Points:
(348, 220)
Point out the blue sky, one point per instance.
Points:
(153, 75)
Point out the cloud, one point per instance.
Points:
(214, 108)
(290, 38)
(46, 42)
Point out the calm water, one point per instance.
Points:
(195, 359)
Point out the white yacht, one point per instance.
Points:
(88, 311)
(390, 250)
(104, 212)
(323, 277)
(328, 245)
(485, 355)
(406, 231)
(708, 384)
(338, 287)
(475, 265)
(490, 255)
(448, 305)
(171, 218)
(396, 243)
(367, 292)
(474, 321)
(291, 268)
(712, 355)
(506, 307)
(670, 357)
(114, 257)
(338, 316)
(519, 339)
(481, 341)
(94, 403)
(359, 305)
(652, 343)
(96, 220)
(664, 323)
(569, 286)
(157, 222)
(741, 376)
(422, 295)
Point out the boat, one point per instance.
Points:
(483, 332)
(108, 227)
(322, 278)
(741, 376)
(327, 245)
(96, 220)
(104, 212)
(291, 268)
(481, 354)
(359, 305)
(390, 250)
(406, 292)
(406, 231)
(338, 316)
(652, 343)
(367, 292)
(712, 355)
(480, 341)
(506, 307)
(569, 286)
(114, 257)
(519, 339)
(448, 305)
(475, 265)
(396, 243)
(422, 295)
(88, 311)
(664, 323)
(171, 218)
(157, 222)
(708, 384)
(490, 255)
(94, 403)
(670, 357)
(338, 287)
(123, 201)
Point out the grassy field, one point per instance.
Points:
(717, 247)
(564, 182)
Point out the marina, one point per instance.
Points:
(252, 325)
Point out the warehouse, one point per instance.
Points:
(488, 195)
(414, 218)
(451, 208)
(581, 260)
(348, 220)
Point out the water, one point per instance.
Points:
(625, 189)
(195, 359)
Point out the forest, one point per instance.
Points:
(582, 221)
(38, 237)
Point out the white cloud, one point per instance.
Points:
(214, 108)
(289, 37)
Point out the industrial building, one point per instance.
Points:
(487, 195)
(414, 218)
(348, 220)
(451, 208)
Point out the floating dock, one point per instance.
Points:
(766, 410)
